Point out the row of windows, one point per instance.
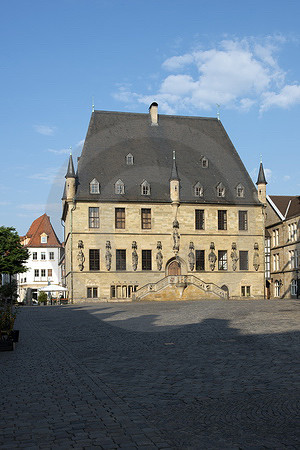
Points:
(94, 259)
(146, 189)
(42, 255)
(43, 273)
(94, 219)
(130, 160)
(292, 234)
(293, 261)
(278, 288)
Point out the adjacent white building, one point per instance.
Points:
(43, 264)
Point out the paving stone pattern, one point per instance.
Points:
(166, 375)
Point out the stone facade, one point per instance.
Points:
(171, 253)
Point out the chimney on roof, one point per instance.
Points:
(153, 113)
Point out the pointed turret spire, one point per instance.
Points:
(174, 173)
(261, 179)
(70, 172)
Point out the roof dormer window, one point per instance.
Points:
(204, 162)
(94, 187)
(198, 190)
(220, 190)
(129, 159)
(240, 191)
(44, 238)
(145, 188)
(119, 187)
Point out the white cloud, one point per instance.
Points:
(40, 207)
(238, 74)
(287, 97)
(268, 174)
(50, 175)
(46, 130)
(62, 151)
(4, 203)
(287, 177)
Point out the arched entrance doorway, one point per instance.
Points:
(174, 268)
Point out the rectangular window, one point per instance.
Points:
(49, 273)
(94, 220)
(36, 273)
(243, 260)
(222, 219)
(267, 257)
(120, 218)
(120, 259)
(43, 273)
(43, 255)
(146, 260)
(200, 260)
(199, 219)
(275, 237)
(276, 262)
(113, 291)
(34, 255)
(222, 259)
(243, 220)
(94, 259)
(146, 218)
(92, 292)
(245, 290)
(51, 255)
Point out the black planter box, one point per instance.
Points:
(6, 345)
(14, 334)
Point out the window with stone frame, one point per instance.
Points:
(43, 255)
(120, 218)
(146, 260)
(222, 219)
(294, 287)
(220, 190)
(119, 187)
(146, 218)
(94, 187)
(240, 191)
(49, 273)
(245, 291)
(94, 219)
(92, 292)
(199, 219)
(243, 220)
(129, 159)
(198, 190)
(145, 188)
(34, 255)
(43, 273)
(94, 259)
(120, 259)
(36, 273)
(204, 162)
(51, 255)
(200, 260)
(243, 260)
(222, 259)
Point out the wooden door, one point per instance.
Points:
(174, 268)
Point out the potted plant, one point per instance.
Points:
(7, 335)
(42, 298)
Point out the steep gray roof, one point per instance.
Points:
(70, 172)
(261, 179)
(112, 135)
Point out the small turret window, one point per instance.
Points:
(240, 191)
(204, 162)
(198, 190)
(119, 187)
(145, 188)
(129, 159)
(220, 190)
(94, 187)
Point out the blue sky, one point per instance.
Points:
(188, 55)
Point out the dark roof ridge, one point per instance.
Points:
(100, 111)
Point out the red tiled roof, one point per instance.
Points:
(38, 227)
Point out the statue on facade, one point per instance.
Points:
(80, 256)
(256, 262)
(176, 236)
(108, 255)
(159, 256)
(135, 257)
(212, 257)
(191, 256)
(234, 256)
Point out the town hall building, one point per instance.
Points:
(161, 207)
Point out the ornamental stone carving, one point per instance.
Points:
(176, 237)
(80, 256)
(108, 255)
(256, 261)
(234, 256)
(135, 257)
(212, 257)
(159, 256)
(191, 256)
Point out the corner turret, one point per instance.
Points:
(261, 185)
(70, 188)
(174, 183)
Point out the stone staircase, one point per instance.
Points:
(179, 283)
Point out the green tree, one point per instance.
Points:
(13, 255)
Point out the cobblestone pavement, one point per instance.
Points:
(171, 375)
